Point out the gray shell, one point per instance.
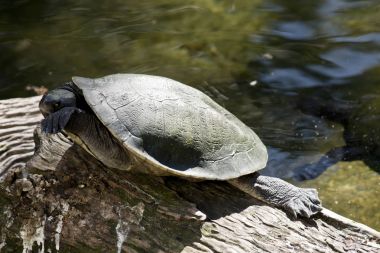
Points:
(173, 128)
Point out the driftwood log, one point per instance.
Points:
(56, 197)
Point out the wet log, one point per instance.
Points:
(56, 197)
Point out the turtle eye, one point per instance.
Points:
(56, 105)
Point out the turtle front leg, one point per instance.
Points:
(274, 191)
(57, 121)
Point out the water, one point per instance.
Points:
(304, 76)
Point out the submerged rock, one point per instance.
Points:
(358, 113)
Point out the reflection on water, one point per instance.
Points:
(44, 42)
(266, 61)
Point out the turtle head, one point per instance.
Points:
(57, 99)
(58, 106)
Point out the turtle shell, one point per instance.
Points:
(173, 128)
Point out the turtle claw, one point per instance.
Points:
(56, 122)
(47, 124)
(50, 124)
(313, 195)
(304, 204)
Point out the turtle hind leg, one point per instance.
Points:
(296, 201)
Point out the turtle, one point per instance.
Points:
(158, 126)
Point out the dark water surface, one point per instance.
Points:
(304, 75)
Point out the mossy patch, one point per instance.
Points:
(351, 189)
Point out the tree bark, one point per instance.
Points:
(60, 198)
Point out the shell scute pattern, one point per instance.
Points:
(181, 130)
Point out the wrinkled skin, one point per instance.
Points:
(296, 201)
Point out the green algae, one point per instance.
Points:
(351, 189)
